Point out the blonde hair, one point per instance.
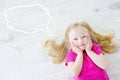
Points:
(58, 51)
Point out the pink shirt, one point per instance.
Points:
(90, 71)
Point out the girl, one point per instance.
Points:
(84, 51)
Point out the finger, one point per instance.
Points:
(89, 40)
(71, 45)
(74, 46)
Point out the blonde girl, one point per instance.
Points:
(84, 51)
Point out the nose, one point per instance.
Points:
(79, 40)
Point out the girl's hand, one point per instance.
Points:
(89, 45)
(75, 48)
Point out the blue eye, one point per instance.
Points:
(83, 36)
(75, 38)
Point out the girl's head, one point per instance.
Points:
(79, 33)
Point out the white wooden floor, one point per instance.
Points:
(26, 24)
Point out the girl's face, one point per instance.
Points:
(79, 36)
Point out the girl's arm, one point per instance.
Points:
(99, 60)
(75, 67)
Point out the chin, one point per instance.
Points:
(82, 48)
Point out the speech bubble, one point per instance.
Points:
(28, 18)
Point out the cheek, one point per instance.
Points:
(73, 41)
(70, 42)
(85, 40)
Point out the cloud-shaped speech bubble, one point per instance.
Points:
(28, 18)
